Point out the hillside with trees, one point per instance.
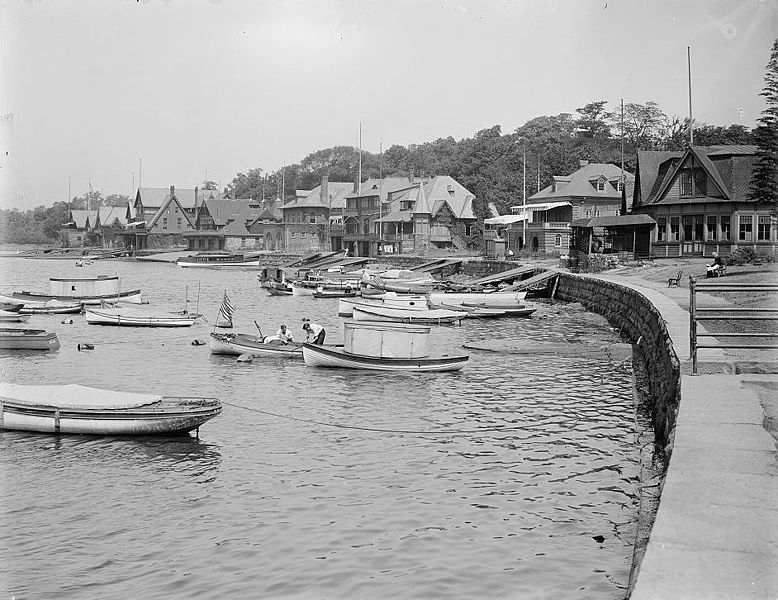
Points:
(489, 164)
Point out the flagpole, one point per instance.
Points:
(689, 65)
(524, 194)
(360, 158)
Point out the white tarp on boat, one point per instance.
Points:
(73, 396)
(382, 341)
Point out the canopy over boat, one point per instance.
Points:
(386, 340)
(74, 396)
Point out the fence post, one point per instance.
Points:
(693, 323)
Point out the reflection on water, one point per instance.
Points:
(309, 483)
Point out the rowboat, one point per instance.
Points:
(309, 288)
(86, 290)
(473, 312)
(489, 298)
(382, 347)
(242, 343)
(519, 310)
(27, 339)
(9, 306)
(388, 300)
(398, 315)
(279, 291)
(12, 317)
(52, 307)
(79, 409)
(219, 260)
(131, 317)
(330, 293)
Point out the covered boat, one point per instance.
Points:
(80, 409)
(242, 343)
(86, 290)
(382, 347)
(134, 317)
(436, 316)
(27, 339)
(219, 260)
(51, 307)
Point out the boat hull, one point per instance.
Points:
(29, 340)
(238, 343)
(243, 264)
(132, 296)
(170, 416)
(494, 300)
(423, 317)
(96, 317)
(323, 356)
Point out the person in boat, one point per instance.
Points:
(282, 336)
(715, 266)
(364, 279)
(314, 332)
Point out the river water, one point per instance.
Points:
(492, 482)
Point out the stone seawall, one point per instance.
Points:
(642, 324)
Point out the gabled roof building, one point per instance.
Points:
(698, 198)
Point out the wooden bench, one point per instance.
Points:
(675, 281)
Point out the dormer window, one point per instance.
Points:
(600, 185)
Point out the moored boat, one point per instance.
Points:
(488, 298)
(241, 343)
(279, 291)
(86, 290)
(27, 339)
(52, 307)
(519, 310)
(219, 260)
(85, 410)
(398, 315)
(132, 317)
(382, 347)
(12, 317)
(387, 299)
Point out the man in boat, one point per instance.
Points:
(282, 336)
(315, 332)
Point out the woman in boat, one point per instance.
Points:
(314, 331)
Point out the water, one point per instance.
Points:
(513, 465)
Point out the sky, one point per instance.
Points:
(117, 93)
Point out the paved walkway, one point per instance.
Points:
(716, 531)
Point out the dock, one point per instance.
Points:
(435, 265)
(505, 276)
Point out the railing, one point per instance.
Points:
(556, 225)
(697, 314)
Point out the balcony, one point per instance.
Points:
(552, 225)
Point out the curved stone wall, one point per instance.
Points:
(641, 323)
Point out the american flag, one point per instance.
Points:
(226, 310)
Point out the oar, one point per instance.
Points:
(259, 329)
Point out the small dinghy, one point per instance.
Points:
(132, 317)
(517, 310)
(237, 344)
(52, 307)
(382, 347)
(12, 317)
(85, 410)
(27, 339)
(398, 315)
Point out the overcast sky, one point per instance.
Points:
(88, 88)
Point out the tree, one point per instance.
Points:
(645, 126)
(764, 180)
(209, 185)
(593, 122)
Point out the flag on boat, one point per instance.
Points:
(226, 310)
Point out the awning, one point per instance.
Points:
(505, 219)
(541, 206)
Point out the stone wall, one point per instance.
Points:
(641, 323)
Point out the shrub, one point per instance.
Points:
(601, 262)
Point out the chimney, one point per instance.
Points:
(582, 163)
(325, 190)
(172, 190)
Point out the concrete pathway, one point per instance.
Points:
(716, 531)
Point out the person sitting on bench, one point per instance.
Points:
(715, 267)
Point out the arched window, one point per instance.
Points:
(558, 240)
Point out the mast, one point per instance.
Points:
(524, 194)
(360, 158)
(380, 199)
(689, 66)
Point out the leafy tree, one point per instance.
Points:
(764, 182)
(593, 122)
(645, 126)
(209, 185)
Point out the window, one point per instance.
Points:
(710, 228)
(588, 214)
(600, 185)
(746, 228)
(312, 218)
(558, 240)
(725, 228)
(178, 222)
(164, 222)
(597, 213)
(293, 235)
(661, 229)
(763, 228)
(699, 225)
(675, 229)
(689, 187)
(242, 241)
(688, 226)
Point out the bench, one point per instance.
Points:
(675, 281)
